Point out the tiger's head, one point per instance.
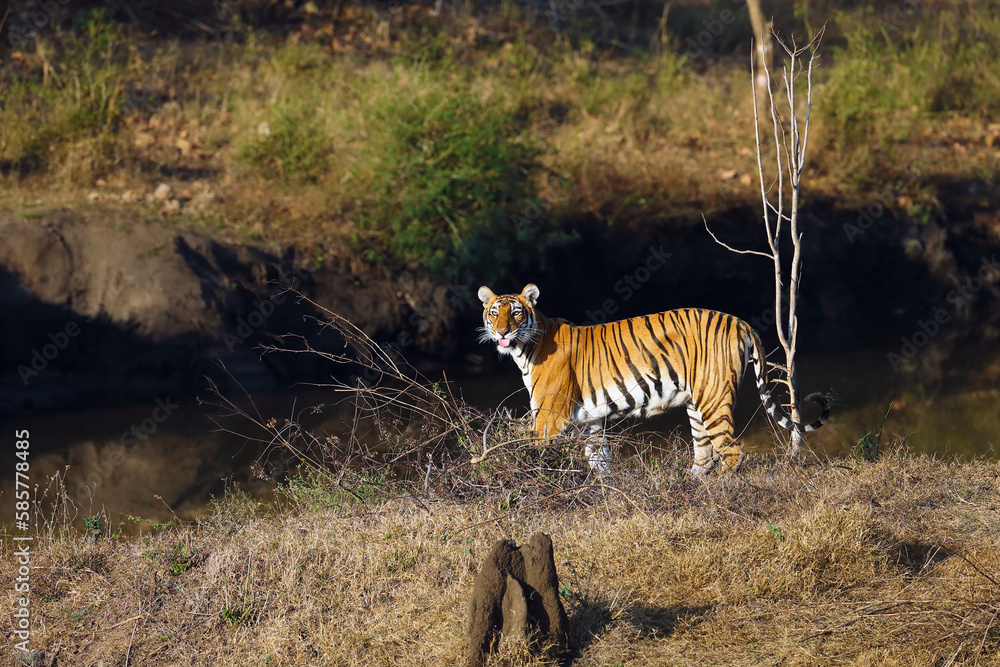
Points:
(509, 320)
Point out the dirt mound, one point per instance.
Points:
(98, 306)
(517, 592)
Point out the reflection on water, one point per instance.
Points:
(150, 460)
(163, 459)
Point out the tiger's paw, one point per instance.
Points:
(730, 458)
(599, 459)
(701, 468)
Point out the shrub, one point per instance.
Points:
(453, 192)
(885, 81)
(294, 149)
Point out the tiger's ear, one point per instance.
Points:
(486, 294)
(530, 294)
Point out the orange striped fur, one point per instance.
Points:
(636, 367)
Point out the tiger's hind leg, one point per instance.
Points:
(712, 434)
(730, 454)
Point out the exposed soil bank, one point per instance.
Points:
(96, 307)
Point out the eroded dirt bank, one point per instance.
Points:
(96, 308)
(99, 307)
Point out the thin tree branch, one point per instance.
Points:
(729, 248)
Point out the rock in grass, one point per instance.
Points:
(163, 192)
(30, 658)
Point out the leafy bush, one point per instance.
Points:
(295, 148)
(453, 192)
(885, 81)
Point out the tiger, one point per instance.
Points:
(637, 367)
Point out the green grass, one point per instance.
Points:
(476, 156)
(75, 104)
(309, 489)
(893, 82)
(453, 172)
(292, 146)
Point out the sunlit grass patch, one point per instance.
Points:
(423, 150)
(898, 78)
(292, 146)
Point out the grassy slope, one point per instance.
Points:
(848, 562)
(298, 140)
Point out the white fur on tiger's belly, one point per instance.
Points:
(647, 402)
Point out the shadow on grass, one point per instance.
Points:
(590, 619)
(917, 557)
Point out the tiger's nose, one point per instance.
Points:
(503, 332)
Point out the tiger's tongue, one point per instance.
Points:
(504, 342)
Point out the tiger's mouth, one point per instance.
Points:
(508, 340)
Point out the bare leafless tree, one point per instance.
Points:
(763, 52)
(781, 208)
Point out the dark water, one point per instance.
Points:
(159, 460)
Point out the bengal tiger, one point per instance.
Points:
(636, 367)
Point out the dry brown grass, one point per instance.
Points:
(369, 554)
(842, 562)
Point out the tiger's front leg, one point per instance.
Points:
(599, 455)
(553, 415)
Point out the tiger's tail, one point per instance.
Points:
(760, 367)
